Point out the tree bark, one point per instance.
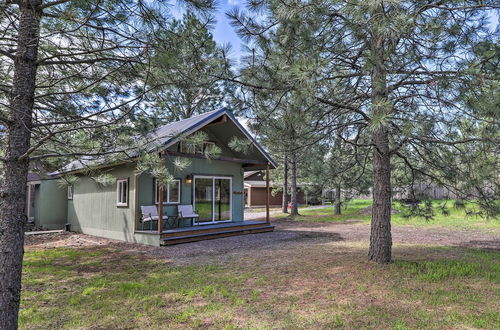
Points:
(13, 186)
(338, 204)
(293, 200)
(285, 186)
(380, 238)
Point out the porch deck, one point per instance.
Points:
(212, 231)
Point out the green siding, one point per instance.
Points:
(147, 238)
(93, 209)
(198, 167)
(50, 205)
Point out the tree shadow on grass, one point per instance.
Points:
(489, 245)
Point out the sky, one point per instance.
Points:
(224, 33)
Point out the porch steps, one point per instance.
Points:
(188, 231)
(201, 234)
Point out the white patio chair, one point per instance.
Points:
(150, 214)
(187, 212)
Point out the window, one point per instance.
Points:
(171, 193)
(198, 149)
(122, 192)
(70, 192)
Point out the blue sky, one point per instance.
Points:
(224, 32)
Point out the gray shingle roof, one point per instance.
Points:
(163, 134)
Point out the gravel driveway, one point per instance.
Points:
(251, 215)
(287, 235)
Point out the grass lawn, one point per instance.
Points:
(326, 214)
(310, 283)
(204, 209)
(456, 217)
(327, 285)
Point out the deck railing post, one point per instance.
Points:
(268, 192)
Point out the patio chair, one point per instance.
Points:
(150, 214)
(187, 212)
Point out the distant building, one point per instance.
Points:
(255, 191)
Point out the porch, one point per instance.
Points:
(210, 231)
(212, 187)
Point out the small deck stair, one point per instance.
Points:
(206, 232)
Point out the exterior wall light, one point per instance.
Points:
(189, 178)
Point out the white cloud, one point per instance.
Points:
(233, 2)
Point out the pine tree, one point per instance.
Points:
(73, 73)
(186, 67)
(394, 72)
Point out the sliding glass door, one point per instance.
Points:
(222, 204)
(212, 199)
(203, 197)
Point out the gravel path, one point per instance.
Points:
(358, 231)
(288, 235)
(250, 215)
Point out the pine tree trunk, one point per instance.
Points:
(294, 210)
(285, 186)
(338, 204)
(380, 238)
(13, 186)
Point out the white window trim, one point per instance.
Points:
(70, 192)
(167, 202)
(118, 193)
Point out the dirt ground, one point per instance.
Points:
(288, 234)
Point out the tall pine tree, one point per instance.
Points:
(73, 74)
(394, 72)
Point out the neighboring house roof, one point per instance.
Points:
(257, 184)
(250, 173)
(167, 135)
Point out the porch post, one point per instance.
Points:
(136, 201)
(160, 201)
(267, 193)
(160, 205)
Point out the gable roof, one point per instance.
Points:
(164, 135)
(169, 134)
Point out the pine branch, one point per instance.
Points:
(53, 3)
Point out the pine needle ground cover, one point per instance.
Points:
(314, 283)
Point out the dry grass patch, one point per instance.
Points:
(304, 285)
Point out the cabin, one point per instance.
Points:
(210, 190)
